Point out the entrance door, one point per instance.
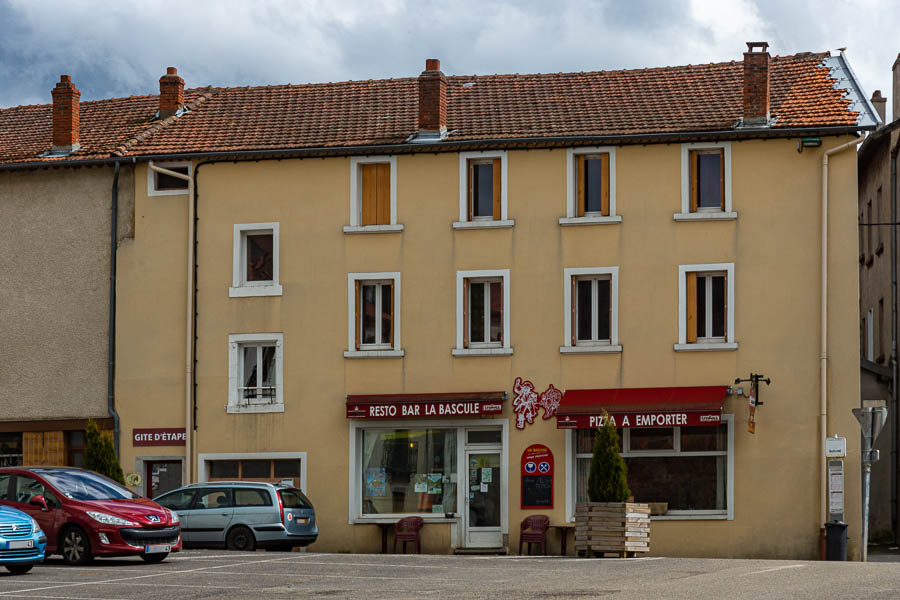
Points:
(162, 477)
(484, 499)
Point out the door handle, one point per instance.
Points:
(224, 514)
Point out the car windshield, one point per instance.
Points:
(294, 499)
(84, 485)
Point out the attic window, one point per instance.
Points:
(160, 184)
(167, 182)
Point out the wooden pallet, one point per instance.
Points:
(622, 528)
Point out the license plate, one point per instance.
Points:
(19, 544)
(301, 520)
(155, 548)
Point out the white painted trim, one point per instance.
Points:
(594, 349)
(682, 307)
(351, 351)
(705, 347)
(707, 515)
(353, 229)
(356, 189)
(507, 342)
(464, 157)
(245, 289)
(202, 475)
(481, 351)
(571, 186)
(354, 500)
(706, 216)
(151, 179)
(686, 177)
(613, 273)
(504, 224)
(589, 220)
(235, 340)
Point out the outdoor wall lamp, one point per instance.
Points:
(808, 143)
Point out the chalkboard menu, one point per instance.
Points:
(537, 477)
(537, 491)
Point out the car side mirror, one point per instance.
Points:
(39, 501)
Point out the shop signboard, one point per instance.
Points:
(642, 419)
(537, 477)
(165, 436)
(418, 410)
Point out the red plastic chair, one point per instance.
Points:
(533, 530)
(407, 530)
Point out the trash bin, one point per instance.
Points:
(836, 540)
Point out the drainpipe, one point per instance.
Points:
(113, 247)
(189, 330)
(894, 416)
(823, 357)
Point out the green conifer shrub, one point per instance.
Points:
(607, 480)
(100, 454)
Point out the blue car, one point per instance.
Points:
(22, 542)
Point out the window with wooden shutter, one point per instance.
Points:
(496, 188)
(691, 301)
(358, 319)
(375, 194)
(592, 185)
(465, 313)
(484, 189)
(707, 172)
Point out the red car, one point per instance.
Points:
(85, 514)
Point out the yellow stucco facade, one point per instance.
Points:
(773, 244)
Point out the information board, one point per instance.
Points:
(537, 477)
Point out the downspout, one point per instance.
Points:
(113, 247)
(823, 357)
(894, 416)
(189, 329)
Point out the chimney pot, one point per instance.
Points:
(879, 102)
(756, 85)
(432, 98)
(171, 93)
(66, 116)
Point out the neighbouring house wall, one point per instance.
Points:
(54, 300)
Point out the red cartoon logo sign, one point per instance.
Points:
(527, 402)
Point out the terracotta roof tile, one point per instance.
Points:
(693, 98)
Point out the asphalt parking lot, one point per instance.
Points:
(275, 575)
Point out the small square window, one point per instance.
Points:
(255, 269)
(162, 184)
(255, 373)
(374, 308)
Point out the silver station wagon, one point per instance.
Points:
(243, 515)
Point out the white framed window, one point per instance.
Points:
(483, 190)
(160, 184)
(255, 373)
(255, 261)
(373, 315)
(691, 469)
(706, 307)
(706, 182)
(590, 186)
(482, 313)
(591, 310)
(373, 195)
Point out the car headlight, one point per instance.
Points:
(35, 526)
(173, 516)
(109, 519)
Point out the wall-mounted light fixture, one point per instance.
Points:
(809, 142)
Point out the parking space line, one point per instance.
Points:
(775, 569)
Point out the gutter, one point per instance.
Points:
(113, 248)
(894, 418)
(458, 145)
(189, 426)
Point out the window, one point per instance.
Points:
(255, 373)
(373, 195)
(688, 468)
(878, 219)
(251, 497)
(160, 184)
(482, 319)
(75, 447)
(409, 471)
(706, 182)
(177, 500)
(373, 306)
(870, 336)
(591, 310)
(590, 186)
(880, 332)
(272, 467)
(210, 498)
(255, 261)
(10, 450)
(482, 190)
(706, 307)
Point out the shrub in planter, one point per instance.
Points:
(100, 454)
(608, 523)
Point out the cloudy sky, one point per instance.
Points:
(121, 47)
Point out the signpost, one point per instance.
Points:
(871, 419)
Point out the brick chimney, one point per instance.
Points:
(432, 99)
(66, 116)
(171, 93)
(756, 85)
(879, 102)
(895, 101)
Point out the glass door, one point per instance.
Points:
(484, 499)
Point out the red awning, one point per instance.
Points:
(642, 407)
(406, 406)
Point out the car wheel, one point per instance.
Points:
(240, 538)
(76, 547)
(155, 557)
(19, 569)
